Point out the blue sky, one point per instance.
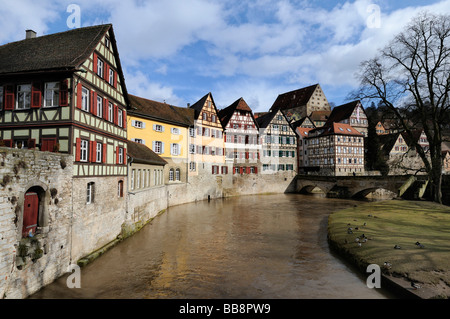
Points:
(179, 50)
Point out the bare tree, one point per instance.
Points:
(411, 76)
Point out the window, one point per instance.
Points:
(171, 174)
(100, 66)
(158, 128)
(107, 42)
(192, 132)
(138, 140)
(137, 124)
(51, 94)
(120, 189)
(111, 77)
(99, 106)
(23, 96)
(99, 151)
(175, 131)
(213, 118)
(138, 179)
(204, 116)
(192, 166)
(133, 172)
(85, 99)
(158, 147)
(90, 193)
(120, 118)
(110, 112)
(175, 149)
(120, 161)
(84, 149)
(177, 174)
(191, 148)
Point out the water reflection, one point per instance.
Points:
(271, 246)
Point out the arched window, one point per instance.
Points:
(171, 174)
(177, 174)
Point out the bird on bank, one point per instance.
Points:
(420, 245)
(397, 247)
(415, 285)
(387, 265)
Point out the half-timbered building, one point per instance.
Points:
(351, 113)
(337, 149)
(65, 92)
(278, 143)
(241, 134)
(206, 143)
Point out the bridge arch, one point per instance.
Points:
(362, 193)
(309, 189)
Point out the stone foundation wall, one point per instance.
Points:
(30, 263)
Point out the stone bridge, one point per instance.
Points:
(352, 186)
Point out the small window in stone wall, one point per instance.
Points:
(120, 188)
(90, 191)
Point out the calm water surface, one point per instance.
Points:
(271, 246)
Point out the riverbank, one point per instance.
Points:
(381, 226)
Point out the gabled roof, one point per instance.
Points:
(293, 99)
(342, 112)
(264, 120)
(387, 142)
(142, 154)
(59, 51)
(239, 105)
(198, 106)
(160, 111)
(303, 131)
(300, 122)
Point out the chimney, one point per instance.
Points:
(189, 105)
(30, 34)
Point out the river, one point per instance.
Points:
(253, 247)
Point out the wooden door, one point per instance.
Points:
(30, 213)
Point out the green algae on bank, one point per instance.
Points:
(420, 231)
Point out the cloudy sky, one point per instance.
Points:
(179, 50)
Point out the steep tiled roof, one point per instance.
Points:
(160, 111)
(300, 122)
(342, 112)
(265, 119)
(198, 106)
(320, 115)
(142, 154)
(294, 98)
(303, 131)
(226, 114)
(337, 129)
(58, 51)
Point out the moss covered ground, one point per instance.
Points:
(399, 223)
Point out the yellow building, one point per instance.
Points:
(206, 146)
(164, 129)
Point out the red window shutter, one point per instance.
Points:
(104, 153)
(79, 95)
(8, 143)
(9, 97)
(124, 156)
(106, 72)
(36, 95)
(116, 114)
(31, 143)
(94, 103)
(91, 151)
(95, 62)
(105, 109)
(78, 150)
(115, 79)
(256, 170)
(117, 154)
(124, 119)
(64, 93)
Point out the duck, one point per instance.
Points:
(415, 285)
(359, 244)
(357, 239)
(397, 247)
(420, 245)
(387, 265)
